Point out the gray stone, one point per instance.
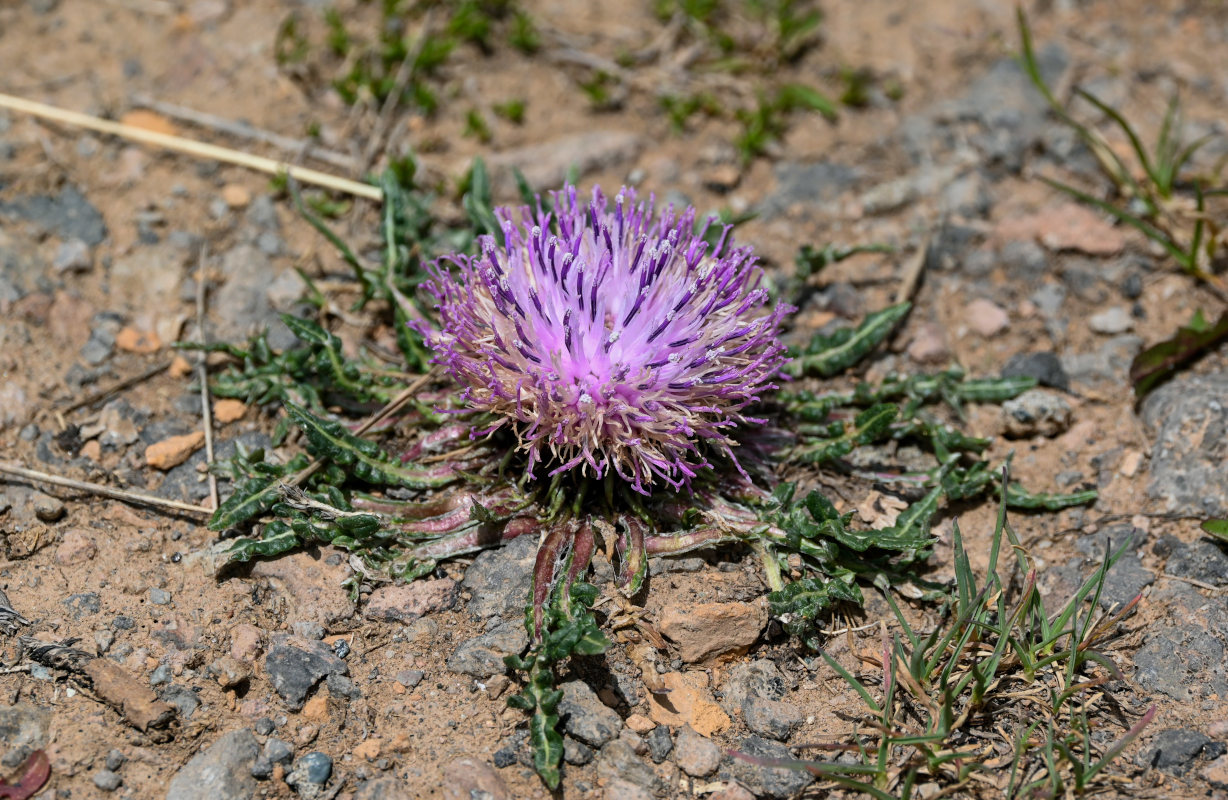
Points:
(23, 729)
(1111, 321)
(314, 767)
(67, 215)
(1024, 260)
(115, 759)
(223, 772)
(106, 780)
(482, 656)
(575, 753)
(1124, 581)
(1204, 560)
(618, 761)
(695, 754)
(160, 675)
(295, 669)
(48, 508)
(499, 580)
(1048, 299)
(967, 195)
(759, 678)
(409, 678)
(73, 255)
(278, 751)
(770, 782)
(1036, 412)
(659, 744)
(1105, 368)
(1190, 418)
(241, 304)
(809, 186)
(1180, 661)
(182, 698)
(81, 605)
(1173, 750)
(774, 719)
(1045, 367)
(159, 597)
(585, 716)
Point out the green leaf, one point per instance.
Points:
(827, 355)
(794, 96)
(330, 440)
(869, 426)
(277, 537)
(1162, 360)
(1216, 527)
(799, 605)
(1018, 497)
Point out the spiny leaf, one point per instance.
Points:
(327, 439)
(869, 426)
(827, 355)
(1163, 359)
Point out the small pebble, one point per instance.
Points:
(107, 780)
(115, 759)
(48, 508)
(1111, 321)
(314, 767)
(263, 726)
(159, 597)
(409, 678)
(985, 318)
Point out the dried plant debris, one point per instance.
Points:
(115, 686)
(10, 620)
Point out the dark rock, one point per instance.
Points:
(1132, 286)
(499, 580)
(778, 784)
(1173, 750)
(263, 726)
(585, 716)
(574, 752)
(774, 719)
(67, 215)
(342, 687)
(182, 698)
(1123, 582)
(482, 656)
(659, 744)
(510, 753)
(1045, 367)
(278, 751)
(811, 187)
(223, 772)
(1204, 560)
(295, 670)
(314, 767)
(1190, 418)
(161, 674)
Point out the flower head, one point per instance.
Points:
(615, 338)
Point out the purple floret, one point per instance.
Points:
(616, 343)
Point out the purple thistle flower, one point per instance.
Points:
(613, 338)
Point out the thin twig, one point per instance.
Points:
(180, 144)
(106, 491)
(202, 370)
(103, 394)
(393, 406)
(911, 278)
(405, 72)
(245, 131)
